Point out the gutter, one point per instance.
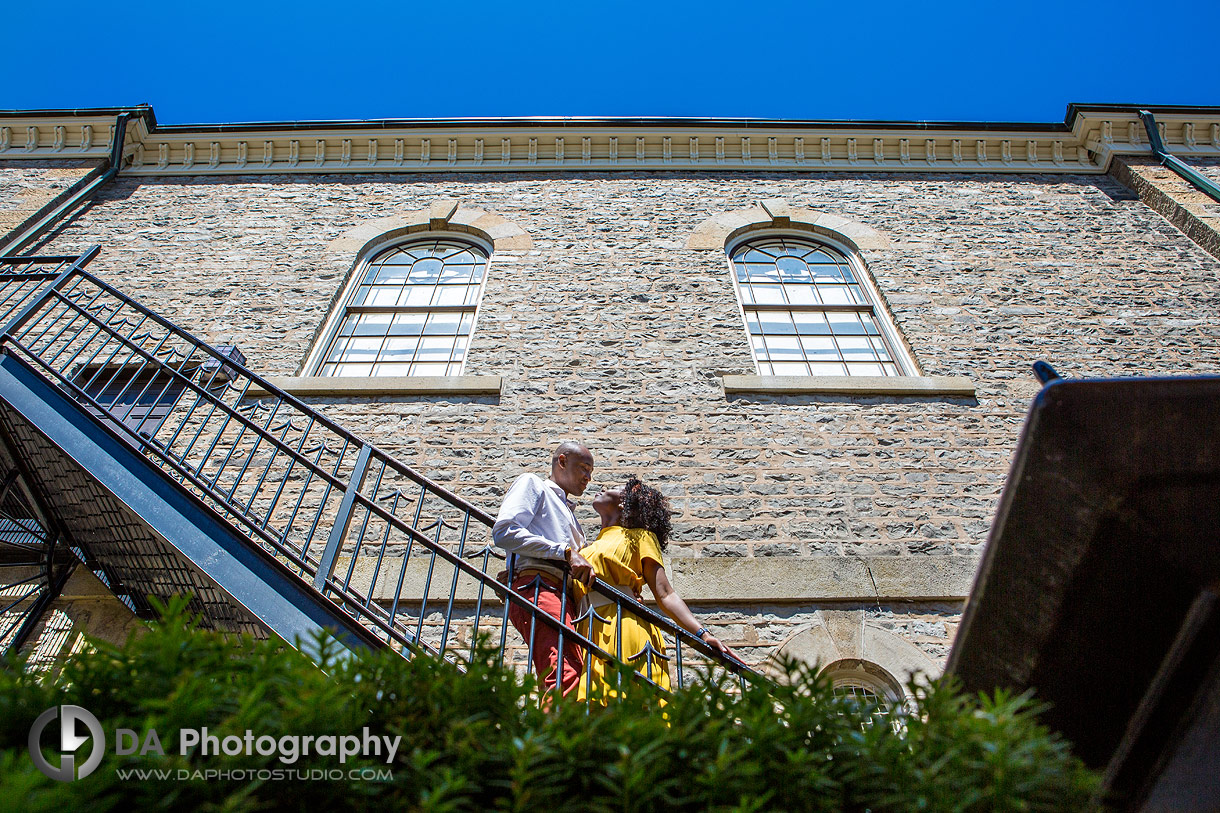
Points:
(1189, 173)
(48, 216)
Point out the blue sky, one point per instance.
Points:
(225, 62)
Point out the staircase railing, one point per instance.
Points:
(404, 556)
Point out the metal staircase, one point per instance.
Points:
(167, 467)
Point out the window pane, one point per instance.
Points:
(807, 322)
(399, 348)
(801, 294)
(360, 350)
(372, 324)
(760, 347)
(856, 368)
(446, 324)
(389, 274)
(762, 273)
(844, 323)
(416, 296)
(408, 324)
(828, 273)
(376, 295)
(764, 369)
(456, 275)
(434, 348)
(358, 370)
(392, 369)
(827, 369)
(337, 349)
(775, 322)
(793, 269)
(426, 271)
(836, 295)
(784, 348)
(449, 295)
(819, 348)
(396, 257)
(768, 294)
(429, 369)
(856, 348)
(790, 368)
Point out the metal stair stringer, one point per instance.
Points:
(124, 512)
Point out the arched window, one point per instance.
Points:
(408, 311)
(811, 311)
(867, 684)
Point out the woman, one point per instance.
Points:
(627, 555)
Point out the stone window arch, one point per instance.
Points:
(861, 245)
(865, 682)
(408, 310)
(811, 309)
(854, 653)
(410, 302)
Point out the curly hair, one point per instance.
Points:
(645, 507)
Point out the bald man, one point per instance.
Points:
(538, 529)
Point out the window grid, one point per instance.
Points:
(807, 311)
(411, 313)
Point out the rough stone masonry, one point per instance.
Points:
(612, 332)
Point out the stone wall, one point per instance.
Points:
(610, 331)
(27, 186)
(1166, 192)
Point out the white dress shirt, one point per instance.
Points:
(536, 525)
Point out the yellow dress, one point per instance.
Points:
(617, 556)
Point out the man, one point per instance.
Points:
(538, 529)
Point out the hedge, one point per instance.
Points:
(477, 740)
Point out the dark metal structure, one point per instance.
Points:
(1099, 584)
(170, 468)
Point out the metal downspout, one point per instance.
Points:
(45, 218)
(1205, 184)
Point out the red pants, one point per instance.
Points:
(546, 637)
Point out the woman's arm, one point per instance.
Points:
(676, 608)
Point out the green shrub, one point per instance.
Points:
(477, 741)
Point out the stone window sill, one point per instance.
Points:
(862, 386)
(390, 386)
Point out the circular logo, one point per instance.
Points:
(69, 742)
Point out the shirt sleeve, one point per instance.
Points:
(649, 548)
(511, 530)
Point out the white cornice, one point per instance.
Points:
(604, 146)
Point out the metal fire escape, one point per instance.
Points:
(167, 467)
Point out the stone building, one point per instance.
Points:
(814, 337)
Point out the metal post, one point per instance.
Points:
(338, 531)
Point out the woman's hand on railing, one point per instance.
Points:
(722, 648)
